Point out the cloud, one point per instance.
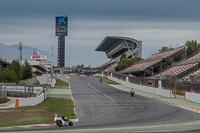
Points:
(156, 23)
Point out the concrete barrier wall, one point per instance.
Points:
(21, 88)
(192, 97)
(32, 101)
(157, 91)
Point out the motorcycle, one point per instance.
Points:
(132, 93)
(62, 121)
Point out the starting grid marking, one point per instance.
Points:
(172, 104)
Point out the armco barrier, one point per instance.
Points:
(192, 97)
(157, 91)
(31, 101)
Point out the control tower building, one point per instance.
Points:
(61, 32)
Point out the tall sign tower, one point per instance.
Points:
(61, 32)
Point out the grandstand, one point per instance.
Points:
(37, 67)
(185, 69)
(192, 75)
(153, 64)
(115, 46)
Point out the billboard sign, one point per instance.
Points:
(38, 57)
(61, 26)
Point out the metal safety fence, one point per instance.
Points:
(173, 84)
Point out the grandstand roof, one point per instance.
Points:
(193, 59)
(153, 60)
(109, 41)
(111, 61)
(166, 54)
(141, 66)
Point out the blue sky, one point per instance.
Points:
(156, 23)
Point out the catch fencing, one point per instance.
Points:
(173, 84)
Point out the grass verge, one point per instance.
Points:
(4, 100)
(41, 113)
(108, 81)
(61, 83)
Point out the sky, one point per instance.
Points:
(156, 23)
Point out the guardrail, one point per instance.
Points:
(22, 91)
(31, 101)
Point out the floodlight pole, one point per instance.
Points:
(51, 64)
(20, 50)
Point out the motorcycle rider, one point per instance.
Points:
(132, 92)
(64, 118)
(55, 117)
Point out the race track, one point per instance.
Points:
(100, 106)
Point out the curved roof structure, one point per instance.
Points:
(154, 60)
(114, 46)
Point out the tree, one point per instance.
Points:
(27, 71)
(190, 48)
(16, 67)
(124, 62)
(164, 49)
(8, 75)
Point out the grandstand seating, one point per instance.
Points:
(193, 75)
(142, 66)
(110, 65)
(153, 60)
(181, 67)
(176, 70)
(166, 54)
(192, 59)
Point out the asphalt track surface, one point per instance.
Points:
(99, 106)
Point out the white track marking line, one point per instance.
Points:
(95, 89)
(101, 93)
(72, 99)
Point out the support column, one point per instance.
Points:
(61, 51)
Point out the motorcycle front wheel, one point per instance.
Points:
(70, 123)
(59, 123)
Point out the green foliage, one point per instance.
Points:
(167, 63)
(41, 113)
(192, 46)
(12, 74)
(80, 66)
(124, 62)
(180, 92)
(83, 67)
(8, 75)
(61, 83)
(179, 57)
(164, 49)
(16, 67)
(27, 71)
(106, 80)
(22, 82)
(4, 100)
